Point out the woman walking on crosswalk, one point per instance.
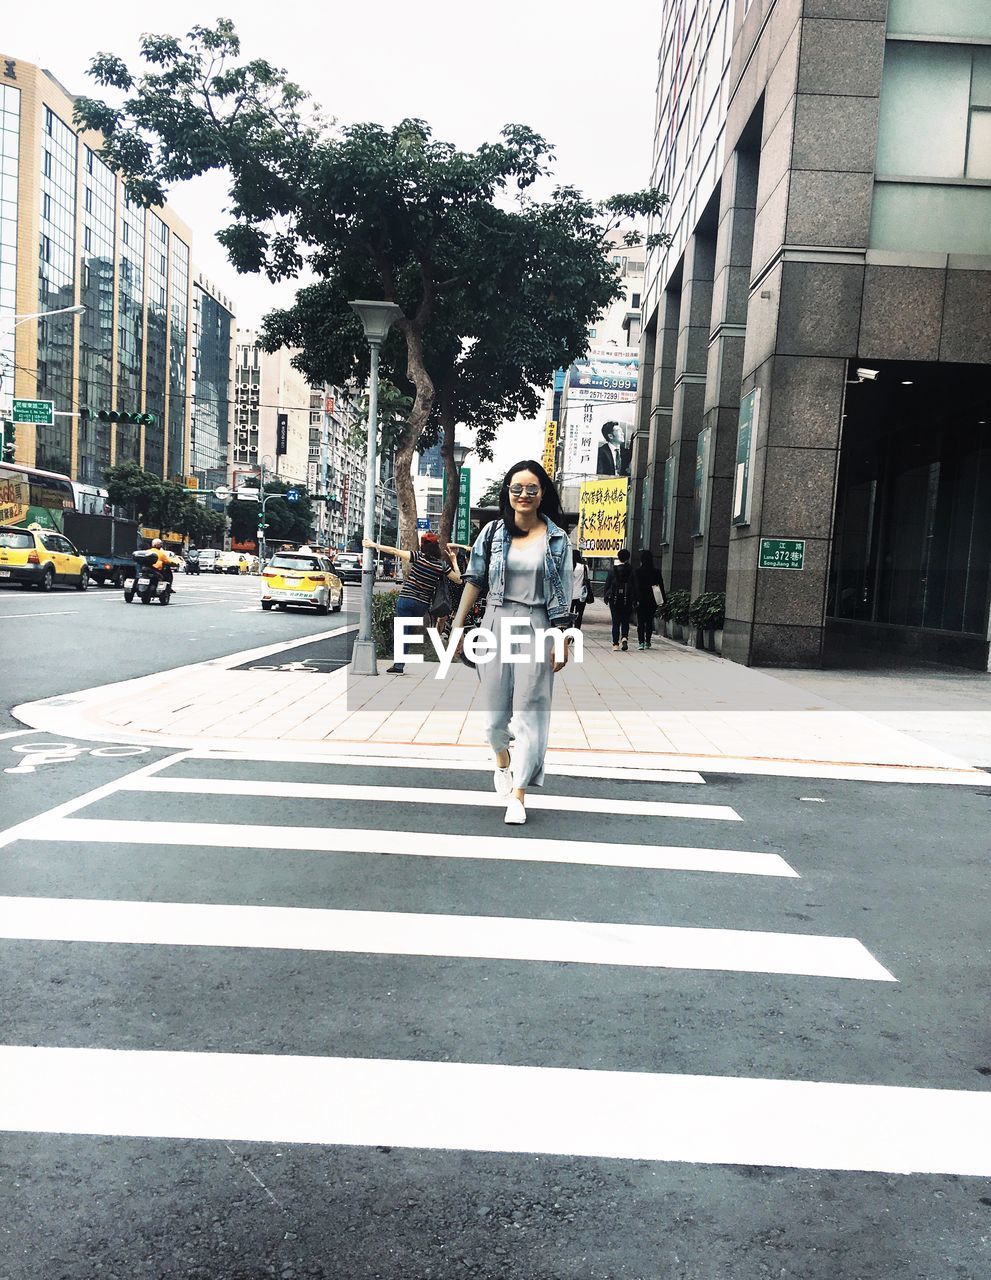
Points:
(522, 562)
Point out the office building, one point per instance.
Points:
(815, 397)
(211, 385)
(272, 411)
(69, 237)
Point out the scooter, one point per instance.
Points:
(192, 561)
(147, 583)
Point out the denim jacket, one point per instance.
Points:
(557, 569)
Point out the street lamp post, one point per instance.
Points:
(377, 318)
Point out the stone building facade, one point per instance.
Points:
(815, 385)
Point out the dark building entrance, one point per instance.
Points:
(912, 535)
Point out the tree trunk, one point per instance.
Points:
(450, 509)
(423, 403)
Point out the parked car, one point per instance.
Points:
(347, 566)
(208, 559)
(294, 578)
(41, 558)
(112, 569)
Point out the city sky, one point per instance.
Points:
(557, 66)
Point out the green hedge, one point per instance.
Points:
(383, 612)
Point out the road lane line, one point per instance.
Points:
(421, 844)
(42, 613)
(413, 795)
(179, 924)
(441, 765)
(17, 733)
(458, 1106)
(16, 832)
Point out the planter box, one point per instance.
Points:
(713, 639)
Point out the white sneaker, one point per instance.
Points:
(515, 813)
(502, 780)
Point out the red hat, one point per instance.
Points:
(428, 537)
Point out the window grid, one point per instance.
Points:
(96, 325)
(10, 110)
(56, 288)
(178, 372)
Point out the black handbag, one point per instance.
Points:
(442, 605)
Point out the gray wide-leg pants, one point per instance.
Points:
(517, 695)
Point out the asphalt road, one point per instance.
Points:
(304, 1173)
(69, 640)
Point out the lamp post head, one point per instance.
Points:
(461, 451)
(376, 317)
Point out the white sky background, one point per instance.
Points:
(581, 74)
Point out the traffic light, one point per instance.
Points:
(8, 434)
(114, 415)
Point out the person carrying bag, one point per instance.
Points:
(650, 595)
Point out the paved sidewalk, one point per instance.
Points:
(670, 707)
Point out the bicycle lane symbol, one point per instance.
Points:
(36, 754)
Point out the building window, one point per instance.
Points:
(635, 302)
(46, 163)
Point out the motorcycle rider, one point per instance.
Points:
(165, 562)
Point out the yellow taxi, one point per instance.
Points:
(42, 558)
(301, 578)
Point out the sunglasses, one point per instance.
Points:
(518, 490)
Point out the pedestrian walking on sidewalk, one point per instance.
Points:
(620, 596)
(523, 563)
(427, 568)
(581, 590)
(650, 596)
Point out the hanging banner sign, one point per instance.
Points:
(550, 448)
(602, 514)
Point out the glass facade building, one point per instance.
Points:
(70, 238)
(214, 329)
(10, 115)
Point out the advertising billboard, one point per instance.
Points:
(601, 399)
(602, 513)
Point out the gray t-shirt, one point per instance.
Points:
(525, 571)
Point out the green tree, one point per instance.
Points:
(450, 236)
(136, 490)
(285, 521)
(490, 498)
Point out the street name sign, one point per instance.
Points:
(782, 553)
(39, 412)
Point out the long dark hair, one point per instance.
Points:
(550, 503)
(646, 562)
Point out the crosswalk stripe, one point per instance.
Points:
(611, 773)
(424, 844)
(430, 795)
(481, 1107)
(406, 934)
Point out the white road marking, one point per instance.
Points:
(414, 795)
(443, 765)
(421, 844)
(17, 733)
(16, 832)
(180, 924)
(44, 613)
(455, 1106)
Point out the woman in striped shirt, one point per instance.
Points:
(426, 568)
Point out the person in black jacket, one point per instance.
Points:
(647, 577)
(620, 596)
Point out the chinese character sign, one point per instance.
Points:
(602, 511)
(550, 448)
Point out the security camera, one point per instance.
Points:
(868, 375)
